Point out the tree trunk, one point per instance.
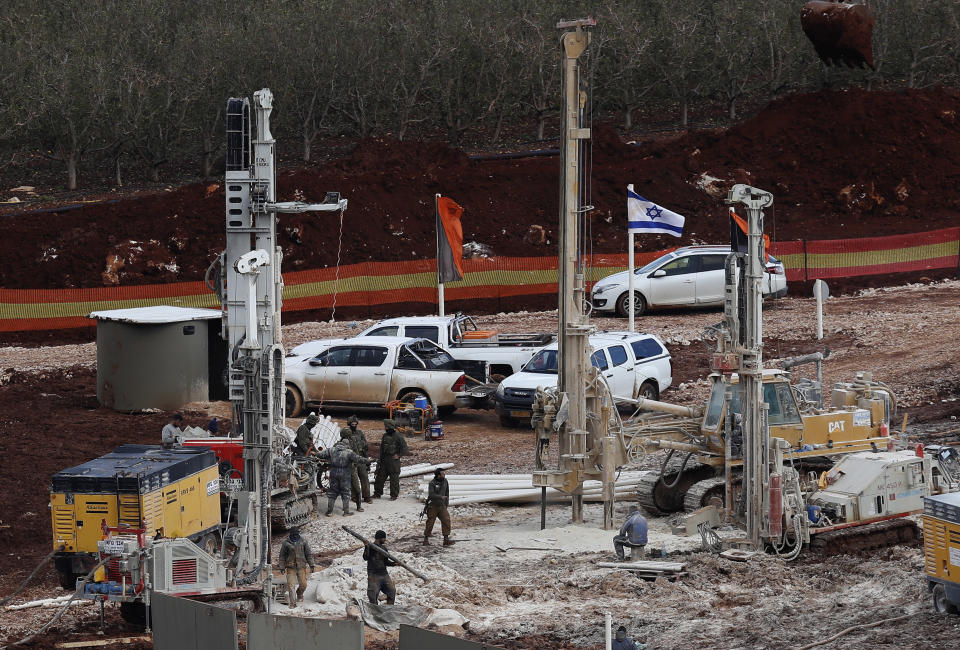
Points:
(627, 118)
(497, 129)
(541, 125)
(305, 151)
(116, 170)
(155, 172)
(206, 163)
(684, 113)
(733, 108)
(72, 170)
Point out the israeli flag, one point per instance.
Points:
(647, 217)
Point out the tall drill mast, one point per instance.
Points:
(251, 296)
(580, 408)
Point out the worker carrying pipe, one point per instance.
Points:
(371, 546)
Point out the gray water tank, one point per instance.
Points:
(159, 357)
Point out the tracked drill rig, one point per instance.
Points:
(250, 288)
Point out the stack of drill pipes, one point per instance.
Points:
(459, 487)
(417, 469)
(517, 487)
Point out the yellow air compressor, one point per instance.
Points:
(169, 492)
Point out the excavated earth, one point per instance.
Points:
(846, 163)
(906, 335)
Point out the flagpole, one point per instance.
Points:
(630, 272)
(436, 216)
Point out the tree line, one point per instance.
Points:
(143, 83)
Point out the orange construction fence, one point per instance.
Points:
(383, 283)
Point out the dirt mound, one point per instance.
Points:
(841, 164)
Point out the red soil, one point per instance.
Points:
(896, 153)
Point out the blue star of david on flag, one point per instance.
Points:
(645, 216)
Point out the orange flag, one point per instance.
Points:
(449, 240)
(738, 236)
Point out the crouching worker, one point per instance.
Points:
(633, 534)
(295, 558)
(377, 577)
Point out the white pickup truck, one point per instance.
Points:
(459, 335)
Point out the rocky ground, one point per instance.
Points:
(906, 335)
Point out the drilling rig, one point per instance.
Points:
(581, 407)
(250, 289)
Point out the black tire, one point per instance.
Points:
(210, 543)
(508, 422)
(940, 601)
(293, 404)
(68, 580)
(639, 304)
(649, 390)
(445, 411)
(134, 613)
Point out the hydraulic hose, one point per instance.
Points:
(264, 527)
(6, 599)
(77, 592)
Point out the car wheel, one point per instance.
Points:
(649, 390)
(639, 304)
(508, 422)
(445, 411)
(940, 601)
(293, 404)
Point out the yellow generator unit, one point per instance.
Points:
(941, 546)
(168, 492)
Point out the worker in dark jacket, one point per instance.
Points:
(341, 458)
(377, 577)
(621, 641)
(633, 533)
(304, 441)
(360, 478)
(392, 447)
(295, 558)
(438, 499)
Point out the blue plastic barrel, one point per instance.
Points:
(420, 402)
(436, 430)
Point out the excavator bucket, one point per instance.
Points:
(840, 32)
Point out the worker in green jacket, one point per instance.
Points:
(360, 478)
(392, 447)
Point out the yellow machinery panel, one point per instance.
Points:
(174, 492)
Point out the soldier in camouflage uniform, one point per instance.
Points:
(360, 479)
(341, 458)
(304, 440)
(392, 447)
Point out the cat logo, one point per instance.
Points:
(836, 426)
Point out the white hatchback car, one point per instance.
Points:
(692, 276)
(370, 371)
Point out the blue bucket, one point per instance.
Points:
(435, 430)
(420, 402)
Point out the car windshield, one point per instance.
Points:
(543, 362)
(435, 357)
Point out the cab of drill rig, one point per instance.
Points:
(859, 413)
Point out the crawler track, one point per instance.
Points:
(287, 512)
(892, 532)
(703, 492)
(663, 493)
